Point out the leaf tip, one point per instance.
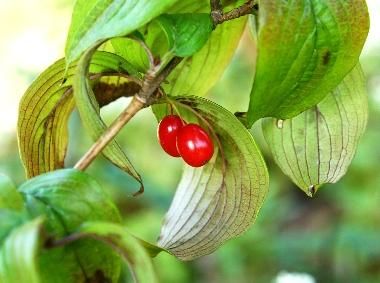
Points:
(312, 190)
(140, 191)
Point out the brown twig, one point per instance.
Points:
(218, 16)
(216, 5)
(150, 85)
(108, 135)
(153, 80)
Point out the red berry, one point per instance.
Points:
(167, 134)
(194, 145)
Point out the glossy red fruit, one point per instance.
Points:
(167, 134)
(194, 145)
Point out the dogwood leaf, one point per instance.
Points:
(67, 198)
(94, 21)
(317, 146)
(130, 248)
(220, 200)
(46, 107)
(89, 111)
(305, 49)
(10, 198)
(186, 32)
(18, 254)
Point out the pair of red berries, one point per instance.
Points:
(190, 141)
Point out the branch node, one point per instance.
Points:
(218, 16)
(141, 99)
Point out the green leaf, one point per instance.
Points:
(132, 51)
(9, 219)
(46, 107)
(11, 207)
(89, 111)
(220, 200)
(10, 198)
(209, 62)
(186, 33)
(95, 21)
(18, 254)
(126, 245)
(197, 74)
(68, 198)
(305, 49)
(317, 146)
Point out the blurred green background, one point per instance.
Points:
(334, 237)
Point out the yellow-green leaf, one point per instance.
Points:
(46, 107)
(94, 21)
(10, 198)
(317, 146)
(89, 111)
(220, 200)
(197, 74)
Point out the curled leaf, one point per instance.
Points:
(305, 49)
(18, 254)
(126, 245)
(46, 107)
(9, 219)
(94, 21)
(317, 146)
(42, 122)
(89, 111)
(220, 200)
(68, 198)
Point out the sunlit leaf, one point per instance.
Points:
(197, 74)
(132, 51)
(46, 107)
(220, 200)
(305, 49)
(89, 111)
(186, 32)
(126, 245)
(10, 198)
(94, 21)
(317, 146)
(68, 198)
(18, 263)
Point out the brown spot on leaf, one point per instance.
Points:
(98, 277)
(326, 57)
